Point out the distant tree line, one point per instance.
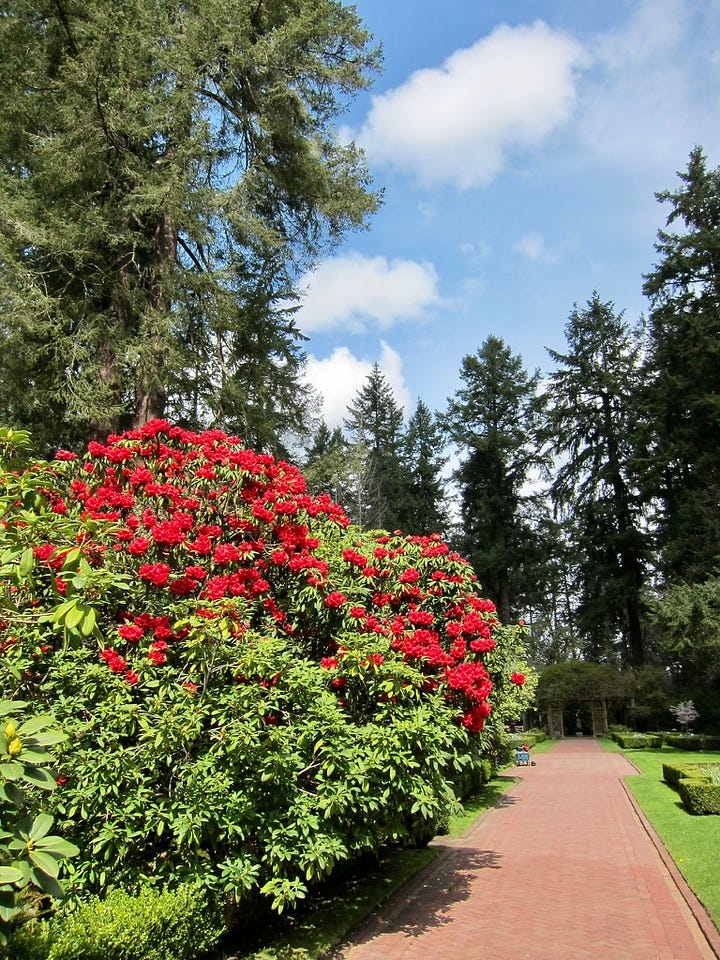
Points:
(588, 500)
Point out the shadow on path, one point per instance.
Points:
(427, 904)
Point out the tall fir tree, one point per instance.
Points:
(375, 423)
(326, 464)
(591, 422)
(490, 421)
(682, 391)
(593, 428)
(422, 450)
(166, 170)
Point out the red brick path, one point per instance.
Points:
(565, 868)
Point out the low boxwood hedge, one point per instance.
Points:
(174, 924)
(638, 741)
(674, 771)
(692, 741)
(700, 796)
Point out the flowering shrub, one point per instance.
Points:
(253, 690)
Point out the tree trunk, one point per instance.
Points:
(151, 395)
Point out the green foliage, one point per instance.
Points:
(686, 623)
(490, 419)
(374, 422)
(673, 772)
(254, 692)
(425, 510)
(581, 679)
(176, 924)
(700, 796)
(30, 858)
(167, 172)
(691, 741)
(638, 741)
(682, 382)
(591, 424)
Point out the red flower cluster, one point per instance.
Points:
(206, 524)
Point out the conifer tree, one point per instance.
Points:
(166, 169)
(592, 427)
(375, 425)
(423, 445)
(490, 419)
(682, 393)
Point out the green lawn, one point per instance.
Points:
(692, 841)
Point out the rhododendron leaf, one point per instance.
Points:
(88, 622)
(11, 770)
(40, 826)
(35, 723)
(71, 558)
(10, 875)
(45, 862)
(46, 881)
(59, 846)
(27, 561)
(11, 706)
(47, 739)
(74, 616)
(39, 777)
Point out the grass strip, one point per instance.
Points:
(692, 841)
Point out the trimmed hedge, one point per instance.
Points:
(174, 924)
(692, 741)
(674, 772)
(700, 797)
(638, 741)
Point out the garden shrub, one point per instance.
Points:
(638, 741)
(674, 772)
(700, 796)
(31, 857)
(692, 741)
(253, 691)
(174, 924)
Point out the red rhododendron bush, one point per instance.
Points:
(253, 691)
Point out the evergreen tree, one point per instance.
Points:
(165, 171)
(683, 375)
(375, 424)
(326, 466)
(490, 420)
(591, 424)
(423, 443)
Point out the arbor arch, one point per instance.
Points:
(581, 697)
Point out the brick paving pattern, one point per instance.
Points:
(565, 868)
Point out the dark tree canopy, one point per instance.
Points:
(591, 427)
(490, 421)
(683, 375)
(165, 171)
(375, 424)
(423, 442)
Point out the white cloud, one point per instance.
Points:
(457, 123)
(533, 246)
(354, 292)
(338, 378)
(653, 92)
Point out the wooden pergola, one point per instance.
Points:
(556, 717)
(596, 691)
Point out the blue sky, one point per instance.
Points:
(519, 146)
